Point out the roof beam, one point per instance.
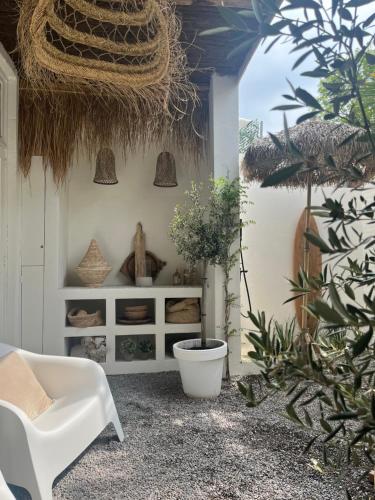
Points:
(235, 4)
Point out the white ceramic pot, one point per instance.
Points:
(201, 370)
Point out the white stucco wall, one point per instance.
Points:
(270, 245)
(110, 213)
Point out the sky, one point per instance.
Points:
(264, 82)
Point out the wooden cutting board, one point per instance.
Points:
(315, 265)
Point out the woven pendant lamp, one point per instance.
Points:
(105, 172)
(165, 175)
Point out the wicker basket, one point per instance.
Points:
(93, 269)
(81, 319)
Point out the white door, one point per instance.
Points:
(32, 251)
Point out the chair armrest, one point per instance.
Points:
(61, 375)
(9, 410)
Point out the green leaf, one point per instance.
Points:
(309, 444)
(281, 175)
(215, 31)
(345, 14)
(349, 138)
(368, 21)
(333, 433)
(326, 312)
(243, 388)
(316, 73)
(325, 425)
(362, 343)
(291, 412)
(232, 18)
(307, 116)
(336, 301)
(286, 107)
(272, 44)
(246, 13)
(349, 291)
(358, 3)
(242, 47)
(302, 4)
(301, 59)
(318, 242)
(307, 98)
(277, 142)
(346, 415)
(373, 406)
(257, 10)
(308, 419)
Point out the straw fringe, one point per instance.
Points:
(96, 103)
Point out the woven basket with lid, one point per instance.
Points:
(93, 268)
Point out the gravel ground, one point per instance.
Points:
(176, 448)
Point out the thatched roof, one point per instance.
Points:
(316, 140)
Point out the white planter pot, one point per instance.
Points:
(201, 370)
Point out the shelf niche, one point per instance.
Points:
(138, 354)
(75, 349)
(88, 305)
(183, 317)
(122, 303)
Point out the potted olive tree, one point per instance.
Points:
(228, 200)
(197, 231)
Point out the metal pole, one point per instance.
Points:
(243, 271)
(306, 253)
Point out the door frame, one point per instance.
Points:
(10, 221)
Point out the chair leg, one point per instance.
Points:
(40, 489)
(118, 427)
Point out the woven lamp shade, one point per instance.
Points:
(165, 175)
(105, 172)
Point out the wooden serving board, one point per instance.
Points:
(315, 266)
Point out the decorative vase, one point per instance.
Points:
(93, 268)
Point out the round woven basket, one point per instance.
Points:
(84, 320)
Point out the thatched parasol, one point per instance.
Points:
(326, 150)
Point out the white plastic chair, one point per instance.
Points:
(34, 452)
(5, 493)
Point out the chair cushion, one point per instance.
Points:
(19, 386)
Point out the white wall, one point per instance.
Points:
(270, 244)
(224, 126)
(110, 213)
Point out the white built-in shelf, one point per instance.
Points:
(182, 327)
(111, 300)
(94, 331)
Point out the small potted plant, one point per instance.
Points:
(128, 348)
(145, 348)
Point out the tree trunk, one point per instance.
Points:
(227, 307)
(203, 306)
